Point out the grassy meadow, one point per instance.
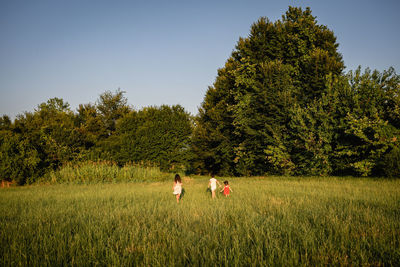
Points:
(273, 221)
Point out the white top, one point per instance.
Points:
(177, 188)
(213, 183)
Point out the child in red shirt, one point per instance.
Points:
(227, 189)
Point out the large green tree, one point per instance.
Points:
(245, 115)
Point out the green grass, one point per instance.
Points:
(266, 221)
(104, 172)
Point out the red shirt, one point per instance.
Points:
(226, 190)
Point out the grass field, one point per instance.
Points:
(266, 222)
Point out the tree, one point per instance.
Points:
(5, 123)
(111, 107)
(157, 135)
(90, 125)
(41, 141)
(264, 95)
(245, 114)
(19, 159)
(368, 122)
(311, 133)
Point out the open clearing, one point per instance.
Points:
(266, 221)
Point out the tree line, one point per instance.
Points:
(281, 105)
(110, 130)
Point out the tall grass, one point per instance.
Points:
(265, 222)
(104, 172)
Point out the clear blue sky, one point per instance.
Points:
(159, 52)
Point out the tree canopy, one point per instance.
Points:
(282, 105)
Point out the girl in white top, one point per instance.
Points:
(213, 185)
(177, 187)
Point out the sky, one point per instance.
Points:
(159, 52)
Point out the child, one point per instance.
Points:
(177, 187)
(227, 189)
(213, 184)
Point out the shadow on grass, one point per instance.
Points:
(182, 193)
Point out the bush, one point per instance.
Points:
(391, 163)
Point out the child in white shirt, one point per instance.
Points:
(213, 185)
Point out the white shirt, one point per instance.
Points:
(177, 188)
(213, 183)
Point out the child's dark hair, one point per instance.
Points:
(177, 178)
(226, 183)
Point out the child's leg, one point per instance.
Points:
(213, 193)
(177, 198)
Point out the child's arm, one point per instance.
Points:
(230, 188)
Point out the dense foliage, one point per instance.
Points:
(37, 144)
(282, 104)
(156, 135)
